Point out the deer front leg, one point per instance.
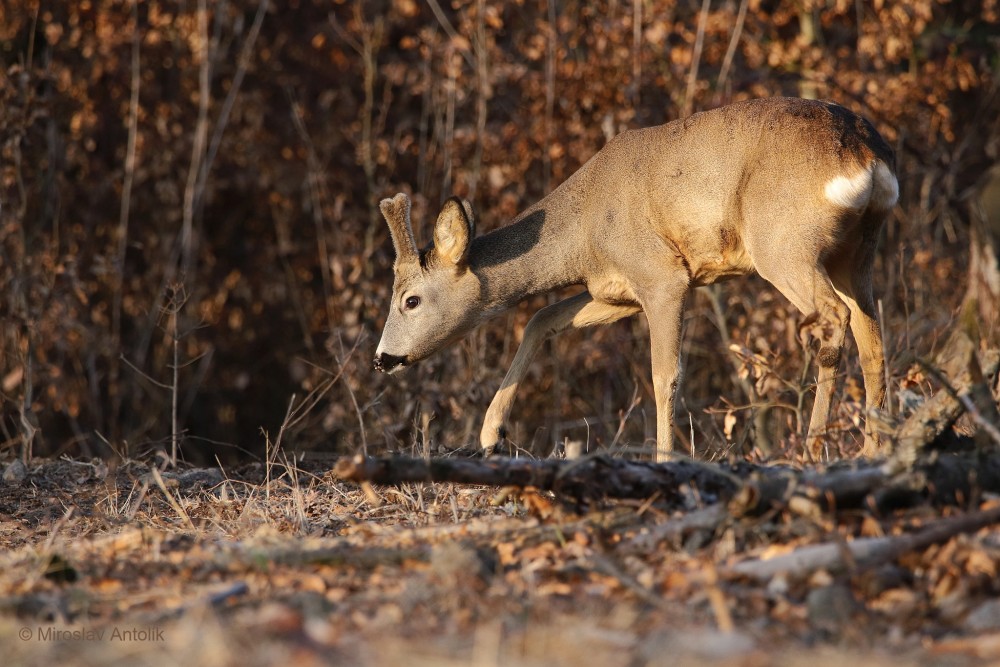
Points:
(575, 312)
(665, 312)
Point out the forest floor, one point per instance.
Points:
(283, 564)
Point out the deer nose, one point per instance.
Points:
(386, 363)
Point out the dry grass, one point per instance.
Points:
(272, 565)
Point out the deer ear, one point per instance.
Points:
(454, 231)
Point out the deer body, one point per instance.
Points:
(794, 190)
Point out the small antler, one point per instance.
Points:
(397, 214)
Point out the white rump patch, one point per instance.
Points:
(853, 192)
(886, 190)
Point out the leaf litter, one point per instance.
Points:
(298, 565)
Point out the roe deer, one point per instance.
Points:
(794, 190)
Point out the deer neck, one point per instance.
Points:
(542, 250)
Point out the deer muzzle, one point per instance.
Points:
(388, 363)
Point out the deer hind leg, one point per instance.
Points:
(853, 281)
(826, 321)
(575, 312)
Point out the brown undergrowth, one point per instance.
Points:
(198, 563)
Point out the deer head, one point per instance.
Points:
(435, 296)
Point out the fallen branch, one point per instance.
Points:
(863, 552)
(581, 479)
(943, 479)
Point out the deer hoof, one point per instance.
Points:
(490, 445)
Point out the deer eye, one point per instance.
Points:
(412, 302)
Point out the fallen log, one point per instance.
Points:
(941, 479)
(580, 479)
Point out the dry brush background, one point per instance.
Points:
(189, 222)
